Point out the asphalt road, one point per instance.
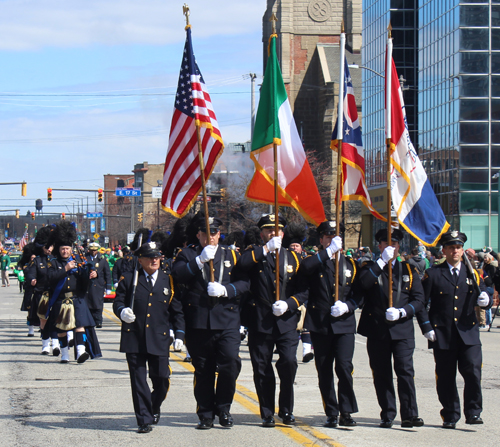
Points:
(45, 403)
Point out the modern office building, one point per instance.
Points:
(456, 95)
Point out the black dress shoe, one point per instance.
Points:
(412, 422)
(331, 422)
(205, 424)
(268, 422)
(449, 424)
(225, 419)
(386, 423)
(156, 417)
(346, 420)
(83, 358)
(56, 351)
(308, 357)
(146, 428)
(287, 418)
(473, 420)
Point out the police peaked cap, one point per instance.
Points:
(329, 228)
(94, 246)
(148, 250)
(396, 235)
(453, 238)
(269, 220)
(214, 223)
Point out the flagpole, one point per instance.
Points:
(340, 134)
(273, 20)
(388, 91)
(185, 10)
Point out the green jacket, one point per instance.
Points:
(5, 262)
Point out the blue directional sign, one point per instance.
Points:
(94, 215)
(128, 192)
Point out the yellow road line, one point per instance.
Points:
(249, 400)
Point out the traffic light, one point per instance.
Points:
(139, 216)
(17, 214)
(49, 194)
(63, 216)
(23, 189)
(223, 192)
(99, 195)
(8, 225)
(32, 216)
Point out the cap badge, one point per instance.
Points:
(332, 224)
(272, 218)
(210, 220)
(152, 245)
(454, 234)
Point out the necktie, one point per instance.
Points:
(149, 279)
(455, 274)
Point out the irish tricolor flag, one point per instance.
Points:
(274, 124)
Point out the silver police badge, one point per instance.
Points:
(227, 264)
(165, 291)
(332, 224)
(406, 278)
(468, 281)
(454, 234)
(348, 273)
(152, 245)
(289, 268)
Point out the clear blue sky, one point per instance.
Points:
(86, 88)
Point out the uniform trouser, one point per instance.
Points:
(5, 277)
(97, 316)
(261, 347)
(214, 351)
(339, 348)
(147, 402)
(468, 359)
(380, 353)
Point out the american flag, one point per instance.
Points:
(24, 240)
(353, 186)
(182, 174)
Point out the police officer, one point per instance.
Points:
(100, 284)
(273, 322)
(389, 330)
(332, 324)
(453, 330)
(145, 332)
(212, 320)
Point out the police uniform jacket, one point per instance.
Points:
(451, 305)
(201, 310)
(319, 273)
(372, 283)
(38, 269)
(261, 270)
(98, 285)
(76, 280)
(156, 311)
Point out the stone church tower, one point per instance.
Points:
(308, 50)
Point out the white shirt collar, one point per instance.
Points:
(451, 267)
(153, 276)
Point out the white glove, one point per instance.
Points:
(483, 299)
(388, 253)
(208, 253)
(279, 308)
(274, 244)
(108, 292)
(392, 314)
(334, 246)
(127, 315)
(339, 308)
(178, 344)
(216, 289)
(431, 336)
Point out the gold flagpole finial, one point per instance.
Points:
(342, 29)
(273, 20)
(185, 11)
(389, 28)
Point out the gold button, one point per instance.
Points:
(69, 287)
(164, 301)
(147, 325)
(455, 308)
(149, 315)
(456, 297)
(435, 325)
(128, 330)
(164, 333)
(456, 319)
(68, 279)
(149, 304)
(473, 323)
(321, 276)
(150, 294)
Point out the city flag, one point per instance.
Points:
(274, 124)
(192, 108)
(353, 186)
(413, 198)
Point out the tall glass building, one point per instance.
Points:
(458, 104)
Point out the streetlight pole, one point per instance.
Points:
(253, 76)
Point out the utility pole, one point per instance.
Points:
(253, 76)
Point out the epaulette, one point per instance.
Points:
(408, 266)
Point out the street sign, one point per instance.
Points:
(106, 240)
(128, 192)
(97, 236)
(156, 192)
(94, 215)
(130, 238)
(92, 226)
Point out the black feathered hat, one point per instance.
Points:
(146, 235)
(63, 235)
(28, 251)
(41, 238)
(295, 233)
(252, 236)
(179, 236)
(236, 238)
(160, 237)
